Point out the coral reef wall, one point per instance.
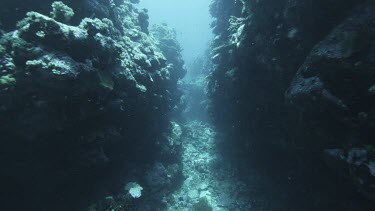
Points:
(85, 94)
(294, 81)
(167, 42)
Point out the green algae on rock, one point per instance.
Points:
(7, 80)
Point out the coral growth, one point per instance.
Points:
(61, 12)
(75, 93)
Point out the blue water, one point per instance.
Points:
(191, 19)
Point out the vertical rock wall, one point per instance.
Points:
(293, 81)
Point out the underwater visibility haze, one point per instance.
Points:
(187, 105)
(191, 20)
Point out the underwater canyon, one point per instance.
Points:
(187, 105)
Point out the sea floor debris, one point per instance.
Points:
(210, 182)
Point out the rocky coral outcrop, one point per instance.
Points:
(294, 78)
(167, 42)
(85, 93)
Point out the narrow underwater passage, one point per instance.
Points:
(209, 181)
(187, 105)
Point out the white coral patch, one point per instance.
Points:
(134, 189)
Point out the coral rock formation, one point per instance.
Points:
(81, 97)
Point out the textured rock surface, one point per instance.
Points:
(334, 83)
(83, 99)
(167, 42)
(292, 79)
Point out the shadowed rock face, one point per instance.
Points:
(292, 79)
(332, 91)
(81, 99)
(336, 78)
